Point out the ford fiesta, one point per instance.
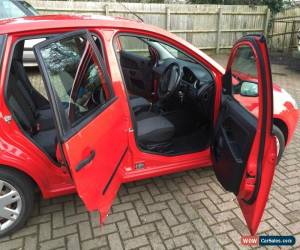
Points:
(123, 101)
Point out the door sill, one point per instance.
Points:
(169, 168)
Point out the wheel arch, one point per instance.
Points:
(35, 182)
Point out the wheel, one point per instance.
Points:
(16, 200)
(280, 142)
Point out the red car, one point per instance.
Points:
(124, 101)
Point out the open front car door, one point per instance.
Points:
(243, 147)
(89, 118)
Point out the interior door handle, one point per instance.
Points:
(85, 161)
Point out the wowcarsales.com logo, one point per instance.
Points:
(268, 240)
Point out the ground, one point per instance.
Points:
(188, 210)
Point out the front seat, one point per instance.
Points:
(139, 104)
(153, 129)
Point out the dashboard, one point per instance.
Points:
(190, 79)
(188, 75)
(194, 78)
(197, 85)
(193, 73)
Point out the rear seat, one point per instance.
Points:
(42, 115)
(37, 123)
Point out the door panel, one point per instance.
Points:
(234, 138)
(243, 148)
(99, 179)
(89, 117)
(137, 64)
(137, 71)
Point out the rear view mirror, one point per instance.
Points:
(249, 89)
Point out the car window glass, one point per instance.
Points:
(140, 46)
(134, 45)
(245, 78)
(29, 7)
(175, 52)
(29, 58)
(36, 80)
(76, 76)
(30, 66)
(30, 63)
(2, 39)
(9, 10)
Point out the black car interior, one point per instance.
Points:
(30, 108)
(171, 99)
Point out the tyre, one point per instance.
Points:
(280, 142)
(16, 200)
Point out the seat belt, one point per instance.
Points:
(26, 97)
(20, 114)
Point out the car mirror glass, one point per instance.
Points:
(249, 89)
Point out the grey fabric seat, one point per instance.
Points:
(153, 128)
(139, 104)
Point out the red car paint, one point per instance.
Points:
(253, 212)
(17, 151)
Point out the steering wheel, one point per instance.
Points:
(169, 81)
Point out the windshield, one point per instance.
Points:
(176, 53)
(29, 7)
(167, 51)
(9, 10)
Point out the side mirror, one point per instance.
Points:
(249, 89)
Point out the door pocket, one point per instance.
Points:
(232, 144)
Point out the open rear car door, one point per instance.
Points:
(89, 117)
(243, 147)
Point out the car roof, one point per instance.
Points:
(33, 23)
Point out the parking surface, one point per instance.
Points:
(188, 210)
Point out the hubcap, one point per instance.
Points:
(10, 205)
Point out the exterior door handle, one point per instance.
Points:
(85, 161)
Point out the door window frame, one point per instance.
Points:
(7, 75)
(250, 41)
(140, 38)
(205, 64)
(116, 41)
(66, 134)
(38, 35)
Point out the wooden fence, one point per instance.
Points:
(285, 26)
(206, 26)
